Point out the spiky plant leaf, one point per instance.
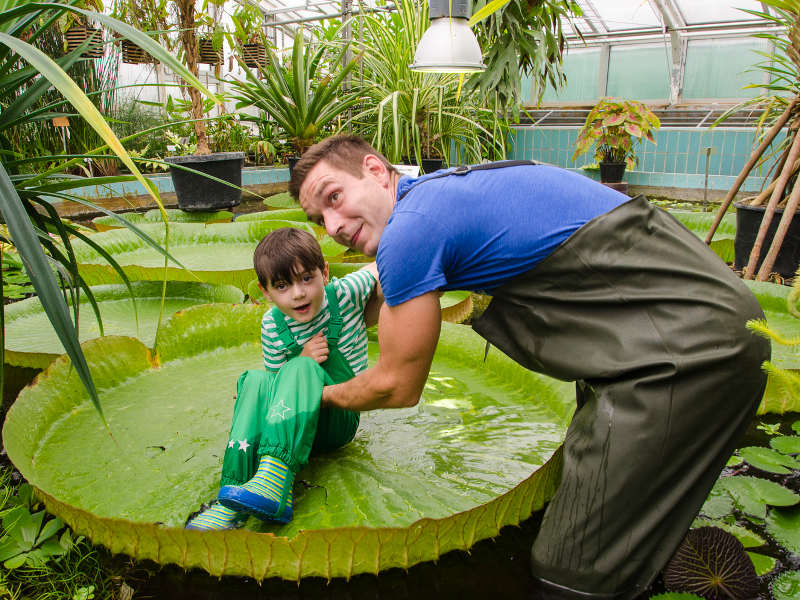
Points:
(784, 526)
(769, 460)
(31, 342)
(713, 564)
(786, 586)
(367, 507)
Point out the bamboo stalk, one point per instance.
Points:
(776, 127)
(780, 233)
(776, 196)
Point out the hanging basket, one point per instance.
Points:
(134, 55)
(206, 53)
(78, 34)
(254, 55)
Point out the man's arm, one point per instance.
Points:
(407, 336)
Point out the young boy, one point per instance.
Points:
(315, 335)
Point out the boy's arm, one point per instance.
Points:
(407, 336)
(373, 306)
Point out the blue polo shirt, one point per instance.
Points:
(480, 230)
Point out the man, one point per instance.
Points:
(588, 285)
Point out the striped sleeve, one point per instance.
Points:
(356, 288)
(271, 346)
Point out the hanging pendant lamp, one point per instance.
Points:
(448, 45)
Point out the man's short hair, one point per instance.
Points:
(284, 254)
(344, 152)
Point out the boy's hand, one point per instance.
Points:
(316, 348)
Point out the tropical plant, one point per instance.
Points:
(611, 127)
(24, 197)
(418, 115)
(520, 38)
(299, 97)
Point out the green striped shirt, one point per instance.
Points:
(353, 290)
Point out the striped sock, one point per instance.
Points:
(216, 517)
(271, 479)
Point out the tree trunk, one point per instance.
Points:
(186, 12)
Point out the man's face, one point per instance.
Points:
(353, 211)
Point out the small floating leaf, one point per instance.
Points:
(784, 526)
(744, 535)
(718, 504)
(752, 495)
(769, 460)
(676, 596)
(762, 563)
(796, 426)
(788, 444)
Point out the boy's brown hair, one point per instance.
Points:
(286, 253)
(343, 152)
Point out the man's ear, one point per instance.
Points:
(374, 166)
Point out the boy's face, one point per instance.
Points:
(300, 299)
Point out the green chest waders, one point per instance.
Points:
(279, 414)
(651, 325)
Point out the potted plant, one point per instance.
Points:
(412, 116)
(247, 36)
(299, 97)
(194, 189)
(763, 245)
(79, 32)
(148, 16)
(611, 126)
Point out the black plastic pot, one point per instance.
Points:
(198, 193)
(748, 221)
(427, 165)
(612, 172)
(292, 160)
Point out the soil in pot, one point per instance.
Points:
(748, 221)
(612, 172)
(198, 193)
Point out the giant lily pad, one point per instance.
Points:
(218, 253)
(477, 453)
(284, 214)
(31, 342)
(174, 215)
(700, 223)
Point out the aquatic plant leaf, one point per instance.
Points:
(215, 253)
(784, 525)
(713, 564)
(700, 223)
(478, 452)
(282, 214)
(744, 535)
(769, 460)
(30, 341)
(174, 215)
(752, 495)
(456, 306)
(796, 426)
(763, 564)
(718, 504)
(282, 200)
(786, 586)
(676, 596)
(788, 444)
(734, 460)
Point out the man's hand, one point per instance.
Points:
(316, 348)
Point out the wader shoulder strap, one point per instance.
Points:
(334, 325)
(464, 169)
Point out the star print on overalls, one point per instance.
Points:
(279, 410)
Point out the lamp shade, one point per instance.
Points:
(448, 46)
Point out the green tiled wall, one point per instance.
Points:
(677, 160)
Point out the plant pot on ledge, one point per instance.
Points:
(198, 193)
(612, 172)
(748, 222)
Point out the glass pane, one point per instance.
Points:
(711, 11)
(625, 15)
(581, 67)
(716, 69)
(639, 72)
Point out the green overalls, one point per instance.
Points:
(279, 414)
